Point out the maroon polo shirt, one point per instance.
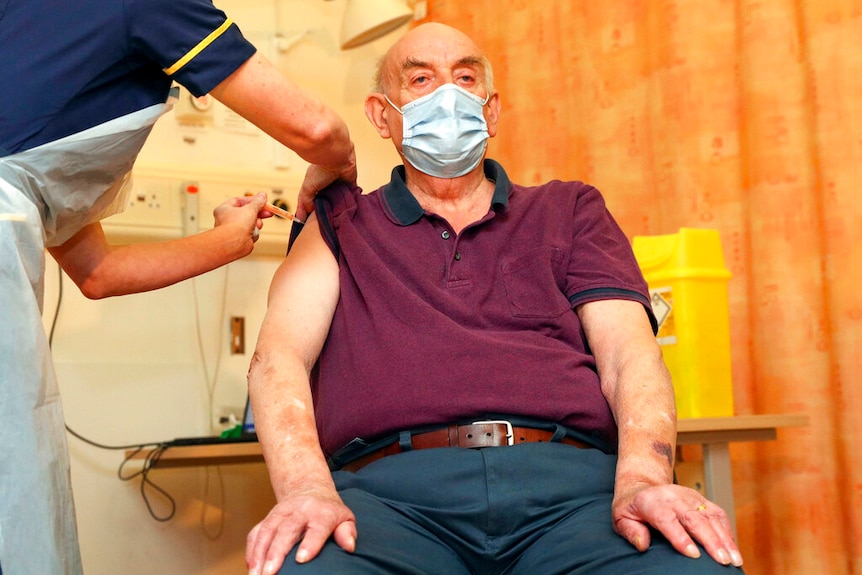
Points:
(435, 327)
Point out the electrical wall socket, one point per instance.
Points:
(227, 417)
(152, 202)
(152, 212)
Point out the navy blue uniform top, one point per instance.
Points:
(434, 327)
(70, 65)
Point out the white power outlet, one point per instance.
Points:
(153, 202)
(152, 211)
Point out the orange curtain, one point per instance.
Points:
(744, 116)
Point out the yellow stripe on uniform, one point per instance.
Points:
(199, 48)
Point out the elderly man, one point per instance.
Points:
(475, 362)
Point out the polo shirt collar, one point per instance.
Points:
(403, 209)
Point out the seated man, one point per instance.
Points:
(475, 362)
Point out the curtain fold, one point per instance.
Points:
(743, 116)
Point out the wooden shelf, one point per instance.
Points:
(213, 454)
(735, 428)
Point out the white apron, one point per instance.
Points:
(47, 194)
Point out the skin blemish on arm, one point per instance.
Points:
(298, 404)
(664, 449)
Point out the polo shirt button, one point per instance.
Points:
(445, 234)
(457, 256)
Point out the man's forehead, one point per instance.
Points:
(429, 46)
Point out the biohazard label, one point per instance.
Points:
(662, 307)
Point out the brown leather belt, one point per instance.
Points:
(480, 434)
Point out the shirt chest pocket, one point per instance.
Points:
(532, 283)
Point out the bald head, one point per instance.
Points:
(423, 44)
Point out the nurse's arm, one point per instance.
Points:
(260, 93)
(102, 270)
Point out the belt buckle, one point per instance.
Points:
(510, 432)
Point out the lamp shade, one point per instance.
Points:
(366, 20)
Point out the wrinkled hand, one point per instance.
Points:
(246, 213)
(316, 178)
(682, 515)
(309, 518)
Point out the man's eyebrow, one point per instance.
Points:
(470, 61)
(411, 63)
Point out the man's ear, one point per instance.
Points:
(492, 113)
(375, 110)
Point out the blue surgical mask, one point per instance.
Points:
(445, 133)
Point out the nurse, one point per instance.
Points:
(81, 84)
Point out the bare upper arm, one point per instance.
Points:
(619, 333)
(302, 298)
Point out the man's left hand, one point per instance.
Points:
(682, 515)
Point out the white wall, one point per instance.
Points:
(141, 368)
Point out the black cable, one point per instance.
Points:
(57, 310)
(150, 461)
(137, 446)
(152, 457)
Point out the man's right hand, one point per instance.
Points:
(308, 519)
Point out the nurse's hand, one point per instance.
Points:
(316, 178)
(246, 213)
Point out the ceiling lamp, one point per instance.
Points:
(367, 20)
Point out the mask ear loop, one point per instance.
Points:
(397, 109)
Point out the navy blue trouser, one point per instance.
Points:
(531, 509)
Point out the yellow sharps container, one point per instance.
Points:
(688, 285)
